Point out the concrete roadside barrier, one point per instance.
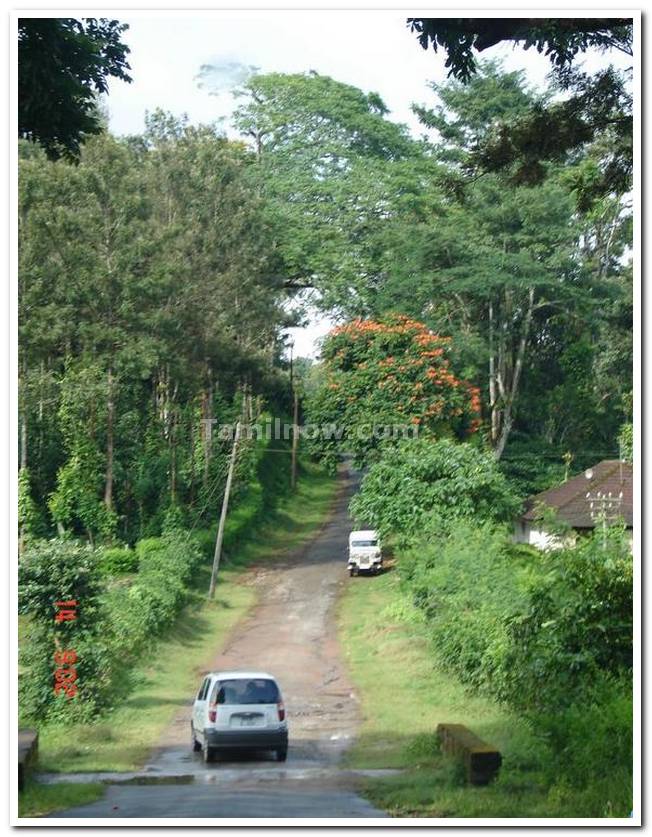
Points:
(27, 753)
(481, 761)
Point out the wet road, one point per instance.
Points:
(291, 633)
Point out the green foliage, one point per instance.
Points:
(577, 624)
(469, 584)
(148, 547)
(549, 634)
(424, 484)
(122, 360)
(174, 520)
(30, 524)
(49, 572)
(559, 39)
(117, 560)
(39, 800)
(590, 749)
(63, 65)
(120, 356)
(117, 623)
(76, 502)
(387, 379)
(626, 442)
(334, 172)
(536, 629)
(59, 570)
(151, 603)
(533, 465)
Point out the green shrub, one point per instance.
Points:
(577, 626)
(166, 566)
(205, 541)
(431, 484)
(590, 748)
(148, 546)
(62, 570)
(468, 582)
(117, 560)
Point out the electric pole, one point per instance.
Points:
(225, 506)
(295, 440)
(604, 509)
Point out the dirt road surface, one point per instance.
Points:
(290, 633)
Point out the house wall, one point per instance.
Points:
(525, 532)
(544, 540)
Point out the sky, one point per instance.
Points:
(373, 50)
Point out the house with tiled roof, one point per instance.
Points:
(601, 493)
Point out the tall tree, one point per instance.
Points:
(500, 266)
(588, 107)
(147, 303)
(332, 169)
(63, 65)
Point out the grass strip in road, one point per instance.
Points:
(168, 676)
(38, 800)
(404, 695)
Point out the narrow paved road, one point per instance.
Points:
(291, 633)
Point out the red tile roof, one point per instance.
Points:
(569, 499)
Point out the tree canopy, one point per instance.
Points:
(63, 65)
(389, 375)
(560, 38)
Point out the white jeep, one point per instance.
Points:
(364, 552)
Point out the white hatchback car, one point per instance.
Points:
(239, 710)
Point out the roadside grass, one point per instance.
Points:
(37, 800)
(404, 695)
(168, 675)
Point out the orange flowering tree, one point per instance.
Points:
(388, 379)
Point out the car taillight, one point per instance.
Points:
(212, 713)
(281, 710)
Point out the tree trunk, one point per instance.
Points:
(22, 414)
(192, 461)
(207, 424)
(172, 442)
(23, 439)
(493, 396)
(110, 421)
(516, 376)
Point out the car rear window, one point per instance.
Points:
(234, 692)
(364, 543)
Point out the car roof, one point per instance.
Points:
(364, 533)
(241, 675)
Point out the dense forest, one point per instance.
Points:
(156, 275)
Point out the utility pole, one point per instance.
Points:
(604, 509)
(225, 506)
(295, 440)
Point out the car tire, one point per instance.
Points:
(350, 571)
(196, 746)
(208, 753)
(282, 754)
